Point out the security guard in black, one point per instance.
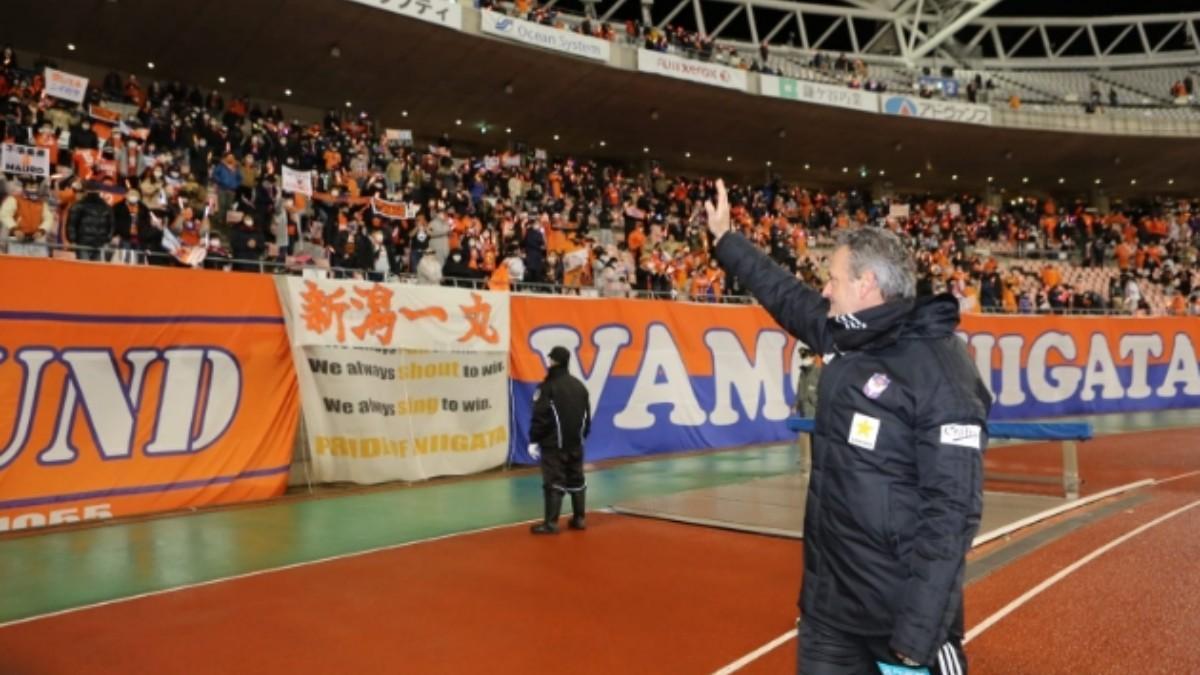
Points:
(562, 419)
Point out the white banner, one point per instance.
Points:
(25, 160)
(65, 85)
(946, 111)
(297, 181)
(385, 396)
(441, 12)
(821, 94)
(547, 37)
(694, 71)
(397, 316)
(898, 211)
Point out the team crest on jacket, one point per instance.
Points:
(875, 386)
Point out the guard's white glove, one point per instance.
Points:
(535, 452)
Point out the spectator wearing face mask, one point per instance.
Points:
(91, 226)
(131, 161)
(375, 256)
(247, 243)
(199, 159)
(228, 178)
(25, 213)
(153, 188)
(131, 222)
(456, 271)
(83, 138)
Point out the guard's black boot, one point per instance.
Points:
(578, 506)
(553, 507)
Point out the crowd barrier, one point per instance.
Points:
(133, 390)
(1067, 432)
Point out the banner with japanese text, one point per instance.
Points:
(64, 85)
(133, 390)
(25, 160)
(446, 13)
(399, 381)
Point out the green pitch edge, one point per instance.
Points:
(60, 570)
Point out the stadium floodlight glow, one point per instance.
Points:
(349, 104)
(954, 177)
(602, 144)
(1170, 181)
(458, 123)
(990, 179)
(1061, 180)
(687, 155)
(806, 167)
(768, 162)
(845, 169)
(70, 46)
(1024, 179)
(404, 113)
(1133, 181)
(729, 158)
(1097, 181)
(882, 172)
(556, 137)
(221, 79)
(508, 130)
(150, 65)
(918, 174)
(287, 92)
(645, 149)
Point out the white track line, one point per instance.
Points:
(1062, 574)
(1050, 513)
(1179, 477)
(753, 656)
(994, 534)
(269, 570)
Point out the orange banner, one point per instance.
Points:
(137, 390)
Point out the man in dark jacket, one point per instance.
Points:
(562, 418)
(895, 494)
(247, 244)
(90, 226)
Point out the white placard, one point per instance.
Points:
(60, 84)
(25, 160)
(297, 181)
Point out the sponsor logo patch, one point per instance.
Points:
(963, 435)
(864, 429)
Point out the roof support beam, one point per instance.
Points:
(948, 30)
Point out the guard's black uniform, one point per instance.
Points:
(897, 478)
(562, 419)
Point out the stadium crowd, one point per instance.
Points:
(168, 174)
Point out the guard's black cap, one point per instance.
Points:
(559, 356)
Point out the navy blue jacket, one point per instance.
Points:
(896, 490)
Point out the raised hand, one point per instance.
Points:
(718, 216)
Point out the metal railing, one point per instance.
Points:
(128, 256)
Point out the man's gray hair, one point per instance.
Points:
(881, 252)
